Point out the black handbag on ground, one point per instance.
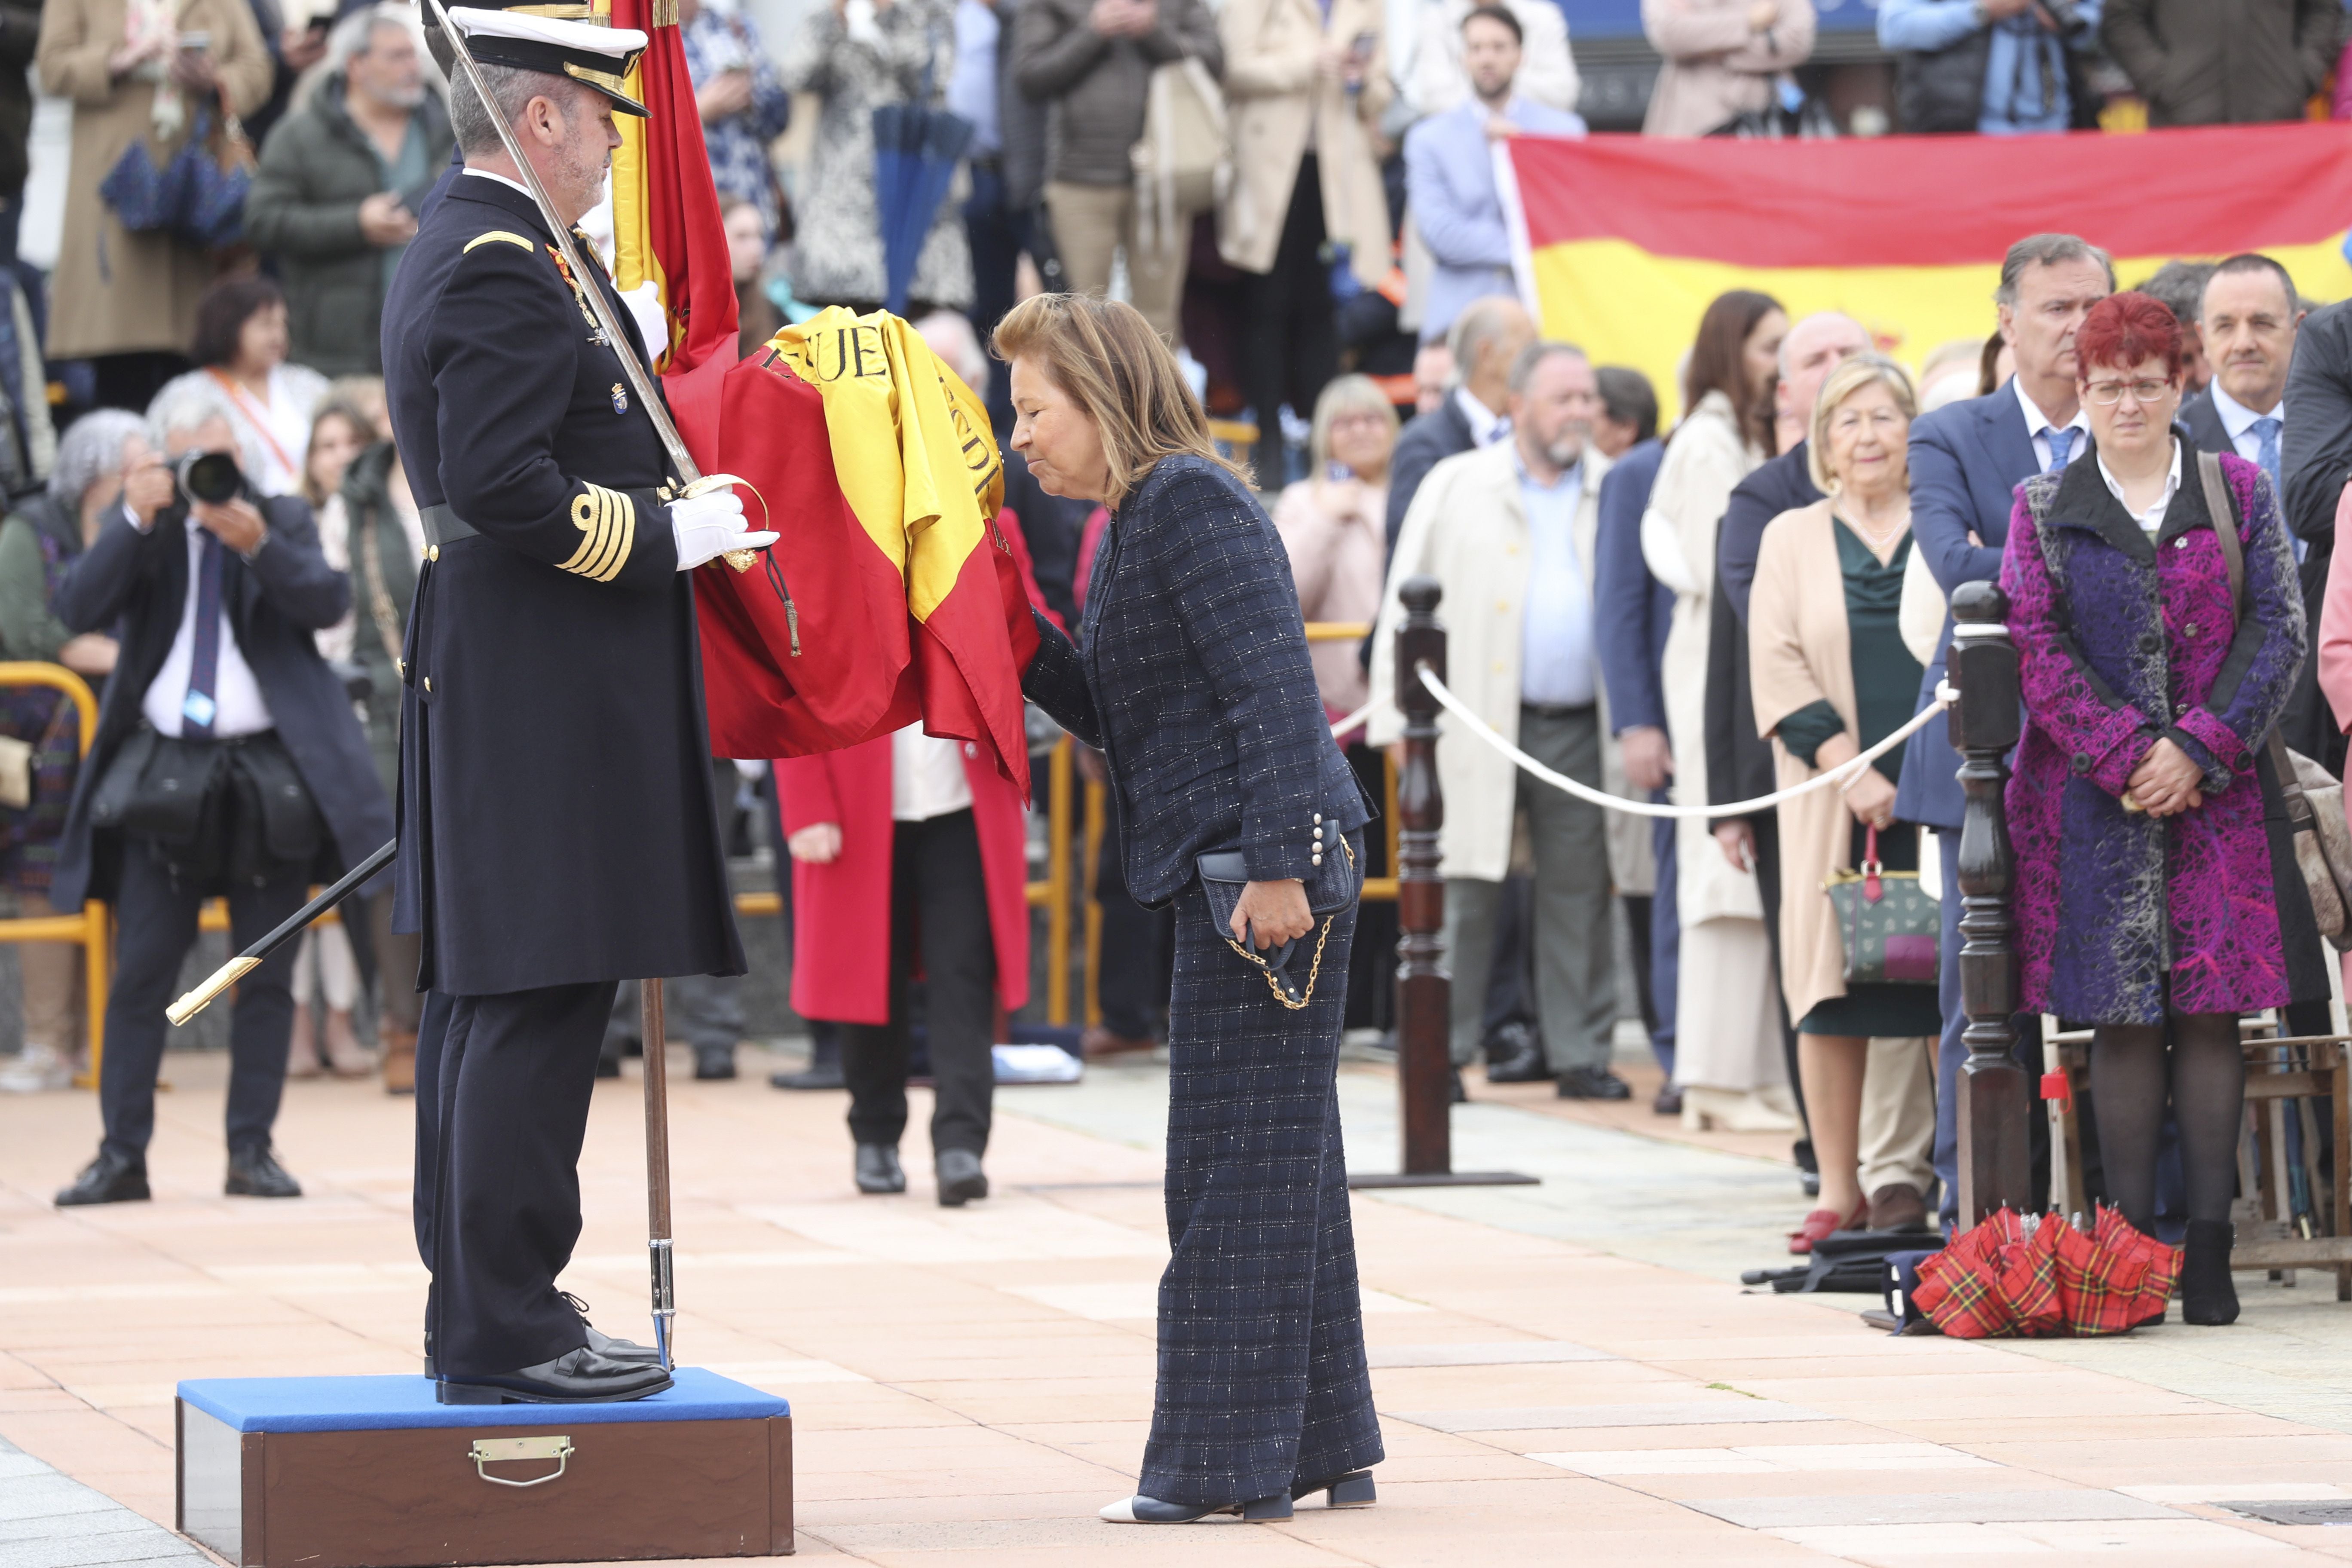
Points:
(1333, 887)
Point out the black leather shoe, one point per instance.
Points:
(878, 1170)
(1669, 1101)
(1454, 1093)
(823, 1075)
(608, 1067)
(577, 1377)
(1525, 1066)
(254, 1172)
(2207, 1294)
(713, 1062)
(961, 1178)
(109, 1179)
(1593, 1083)
(605, 1344)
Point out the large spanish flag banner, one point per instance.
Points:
(1625, 239)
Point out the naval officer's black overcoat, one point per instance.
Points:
(555, 813)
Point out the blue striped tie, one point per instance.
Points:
(2061, 447)
(197, 709)
(2266, 431)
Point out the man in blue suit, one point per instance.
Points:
(1967, 461)
(1631, 609)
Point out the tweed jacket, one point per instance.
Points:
(1195, 684)
(2121, 640)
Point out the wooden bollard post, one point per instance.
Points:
(1995, 1096)
(1424, 990)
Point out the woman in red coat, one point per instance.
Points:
(909, 854)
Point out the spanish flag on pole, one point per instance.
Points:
(1625, 240)
(666, 227)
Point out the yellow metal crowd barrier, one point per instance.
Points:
(91, 927)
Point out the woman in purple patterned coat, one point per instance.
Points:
(2157, 895)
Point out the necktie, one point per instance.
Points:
(197, 709)
(2061, 447)
(2266, 431)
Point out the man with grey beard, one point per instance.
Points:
(336, 190)
(557, 827)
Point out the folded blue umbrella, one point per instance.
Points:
(915, 150)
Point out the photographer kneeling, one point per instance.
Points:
(228, 762)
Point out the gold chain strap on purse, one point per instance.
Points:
(1313, 969)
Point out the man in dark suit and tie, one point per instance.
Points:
(1485, 339)
(227, 761)
(2250, 317)
(1967, 461)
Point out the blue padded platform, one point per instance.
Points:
(381, 1404)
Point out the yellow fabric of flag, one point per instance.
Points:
(911, 444)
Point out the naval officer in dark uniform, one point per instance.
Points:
(556, 827)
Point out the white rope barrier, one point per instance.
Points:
(1358, 716)
(1850, 768)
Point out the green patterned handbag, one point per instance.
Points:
(1890, 928)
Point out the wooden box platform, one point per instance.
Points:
(370, 1472)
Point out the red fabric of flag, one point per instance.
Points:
(854, 676)
(681, 203)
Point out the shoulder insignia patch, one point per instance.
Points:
(500, 234)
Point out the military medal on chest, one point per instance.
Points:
(620, 398)
(596, 333)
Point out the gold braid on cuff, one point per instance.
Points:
(607, 521)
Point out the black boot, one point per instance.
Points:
(2206, 1293)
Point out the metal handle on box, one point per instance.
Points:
(488, 1451)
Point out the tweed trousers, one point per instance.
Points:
(1262, 1374)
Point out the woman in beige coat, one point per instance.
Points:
(1722, 58)
(1305, 89)
(1728, 1059)
(129, 301)
(1830, 676)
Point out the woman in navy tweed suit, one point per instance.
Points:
(1194, 683)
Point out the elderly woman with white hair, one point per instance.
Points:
(39, 541)
(1830, 676)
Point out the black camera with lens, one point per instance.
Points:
(213, 478)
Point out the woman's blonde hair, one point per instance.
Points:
(1348, 395)
(1105, 355)
(1850, 377)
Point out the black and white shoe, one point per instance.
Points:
(1141, 1509)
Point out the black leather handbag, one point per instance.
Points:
(1335, 885)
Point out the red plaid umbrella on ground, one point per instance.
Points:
(2023, 1277)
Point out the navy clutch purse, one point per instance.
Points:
(1335, 885)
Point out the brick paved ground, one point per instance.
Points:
(1567, 1373)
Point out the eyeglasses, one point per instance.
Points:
(2107, 394)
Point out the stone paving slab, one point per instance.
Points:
(970, 1385)
(1676, 1413)
(47, 1520)
(1929, 1507)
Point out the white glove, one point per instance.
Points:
(708, 526)
(644, 303)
